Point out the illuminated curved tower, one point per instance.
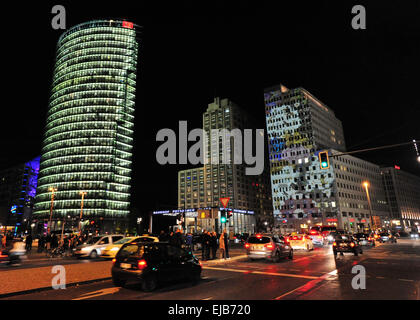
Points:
(88, 137)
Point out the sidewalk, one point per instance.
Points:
(27, 279)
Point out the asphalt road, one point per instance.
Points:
(391, 273)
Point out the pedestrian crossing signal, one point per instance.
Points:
(324, 161)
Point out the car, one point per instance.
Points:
(300, 241)
(316, 237)
(267, 246)
(110, 251)
(153, 263)
(365, 239)
(93, 247)
(386, 237)
(414, 235)
(403, 234)
(346, 243)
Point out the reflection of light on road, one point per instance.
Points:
(98, 293)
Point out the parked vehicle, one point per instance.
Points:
(271, 247)
(153, 263)
(93, 247)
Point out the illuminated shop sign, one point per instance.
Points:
(127, 24)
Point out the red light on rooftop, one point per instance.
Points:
(127, 24)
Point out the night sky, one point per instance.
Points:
(190, 53)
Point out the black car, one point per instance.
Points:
(154, 263)
(346, 243)
(365, 239)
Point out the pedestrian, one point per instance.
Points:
(203, 241)
(226, 239)
(54, 241)
(208, 245)
(188, 242)
(222, 246)
(214, 245)
(163, 236)
(48, 241)
(3, 241)
(28, 243)
(172, 239)
(179, 237)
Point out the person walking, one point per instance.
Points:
(226, 240)
(28, 243)
(48, 242)
(222, 246)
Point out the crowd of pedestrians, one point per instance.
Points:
(210, 242)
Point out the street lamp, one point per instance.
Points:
(82, 193)
(366, 185)
(52, 190)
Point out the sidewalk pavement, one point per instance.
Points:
(27, 279)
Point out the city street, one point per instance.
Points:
(392, 273)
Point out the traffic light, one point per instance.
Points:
(324, 161)
(229, 214)
(222, 216)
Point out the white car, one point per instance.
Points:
(93, 247)
(300, 241)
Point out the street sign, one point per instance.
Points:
(224, 202)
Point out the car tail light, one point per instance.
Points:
(334, 244)
(113, 261)
(352, 244)
(142, 264)
(247, 245)
(258, 236)
(269, 246)
(370, 238)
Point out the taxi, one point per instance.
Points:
(300, 241)
(111, 251)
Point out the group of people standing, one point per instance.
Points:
(210, 242)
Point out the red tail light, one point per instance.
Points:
(142, 264)
(113, 261)
(247, 245)
(258, 236)
(370, 238)
(269, 246)
(334, 244)
(352, 244)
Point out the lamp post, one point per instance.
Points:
(82, 193)
(52, 190)
(366, 185)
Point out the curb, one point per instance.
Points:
(73, 284)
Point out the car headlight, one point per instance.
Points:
(114, 249)
(84, 249)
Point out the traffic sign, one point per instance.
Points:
(224, 201)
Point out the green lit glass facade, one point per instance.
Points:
(88, 137)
